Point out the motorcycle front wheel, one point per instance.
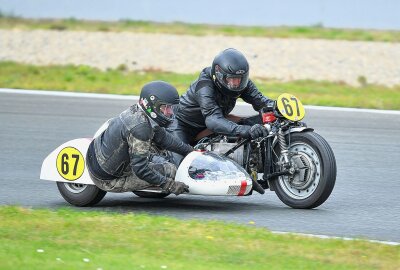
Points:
(315, 166)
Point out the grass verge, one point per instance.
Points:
(12, 22)
(68, 239)
(121, 81)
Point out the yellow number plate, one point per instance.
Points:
(290, 107)
(70, 163)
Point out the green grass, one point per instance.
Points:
(12, 22)
(120, 81)
(138, 241)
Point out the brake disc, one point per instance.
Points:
(305, 171)
(306, 168)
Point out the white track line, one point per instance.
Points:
(321, 236)
(126, 97)
(66, 94)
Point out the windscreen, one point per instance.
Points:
(211, 166)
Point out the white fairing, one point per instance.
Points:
(207, 173)
(49, 169)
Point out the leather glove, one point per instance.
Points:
(270, 105)
(257, 131)
(176, 187)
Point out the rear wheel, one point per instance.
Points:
(80, 194)
(315, 176)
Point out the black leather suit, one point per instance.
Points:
(122, 152)
(204, 106)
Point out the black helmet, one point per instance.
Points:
(156, 100)
(230, 72)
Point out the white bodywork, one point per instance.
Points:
(224, 180)
(228, 179)
(49, 168)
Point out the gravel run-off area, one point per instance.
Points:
(281, 59)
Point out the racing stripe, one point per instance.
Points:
(242, 188)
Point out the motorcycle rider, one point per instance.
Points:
(209, 100)
(120, 158)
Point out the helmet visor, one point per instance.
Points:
(233, 82)
(166, 110)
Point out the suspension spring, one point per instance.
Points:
(284, 147)
(282, 141)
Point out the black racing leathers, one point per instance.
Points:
(125, 146)
(203, 106)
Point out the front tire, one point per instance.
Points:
(80, 194)
(315, 178)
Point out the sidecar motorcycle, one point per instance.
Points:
(293, 161)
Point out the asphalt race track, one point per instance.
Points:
(364, 203)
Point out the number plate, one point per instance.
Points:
(70, 163)
(290, 107)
